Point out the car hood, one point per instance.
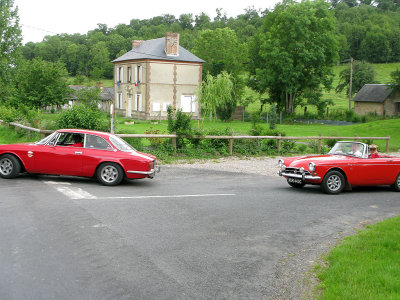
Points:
(303, 161)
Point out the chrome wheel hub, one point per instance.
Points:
(6, 166)
(109, 174)
(334, 183)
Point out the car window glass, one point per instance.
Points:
(121, 144)
(97, 142)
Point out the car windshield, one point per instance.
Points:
(348, 148)
(46, 139)
(120, 144)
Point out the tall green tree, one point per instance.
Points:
(395, 81)
(10, 43)
(221, 50)
(217, 96)
(40, 83)
(363, 73)
(298, 47)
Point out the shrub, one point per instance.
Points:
(180, 123)
(154, 142)
(7, 114)
(83, 117)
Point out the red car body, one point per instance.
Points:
(103, 155)
(342, 168)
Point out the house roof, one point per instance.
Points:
(106, 94)
(155, 49)
(373, 93)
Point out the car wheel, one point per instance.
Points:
(110, 174)
(10, 166)
(296, 185)
(333, 183)
(396, 184)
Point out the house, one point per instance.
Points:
(155, 74)
(377, 98)
(106, 97)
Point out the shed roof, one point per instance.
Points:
(373, 93)
(106, 94)
(155, 49)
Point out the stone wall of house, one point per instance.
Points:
(163, 83)
(362, 108)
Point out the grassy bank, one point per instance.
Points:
(376, 128)
(364, 266)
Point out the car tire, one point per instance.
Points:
(296, 185)
(110, 174)
(10, 166)
(333, 183)
(396, 184)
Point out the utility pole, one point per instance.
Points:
(351, 81)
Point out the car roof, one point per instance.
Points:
(85, 131)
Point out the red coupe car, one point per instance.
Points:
(78, 153)
(347, 164)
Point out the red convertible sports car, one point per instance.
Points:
(347, 164)
(78, 153)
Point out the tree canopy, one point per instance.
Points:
(41, 83)
(294, 51)
(10, 43)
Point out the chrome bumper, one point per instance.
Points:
(150, 173)
(299, 176)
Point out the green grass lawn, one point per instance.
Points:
(341, 100)
(380, 128)
(364, 266)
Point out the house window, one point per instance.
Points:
(120, 74)
(138, 102)
(138, 74)
(129, 74)
(188, 103)
(397, 107)
(119, 101)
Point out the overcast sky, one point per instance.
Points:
(39, 18)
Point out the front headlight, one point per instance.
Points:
(281, 164)
(311, 166)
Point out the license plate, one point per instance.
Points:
(295, 180)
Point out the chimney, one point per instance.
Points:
(101, 86)
(136, 43)
(172, 44)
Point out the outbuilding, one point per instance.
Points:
(377, 99)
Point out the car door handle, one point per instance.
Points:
(78, 152)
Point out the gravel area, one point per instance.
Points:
(264, 165)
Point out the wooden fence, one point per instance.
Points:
(231, 138)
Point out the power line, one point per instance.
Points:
(39, 29)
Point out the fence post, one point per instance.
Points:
(355, 137)
(7, 125)
(28, 134)
(387, 144)
(15, 128)
(279, 143)
(174, 141)
(319, 143)
(230, 147)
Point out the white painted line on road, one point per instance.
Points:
(166, 196)
(75, 193)
(57, 183)
(70, 192)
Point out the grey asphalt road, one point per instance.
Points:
(187, 234)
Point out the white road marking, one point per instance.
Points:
(57, 183)
(166, 196)
(69, 191)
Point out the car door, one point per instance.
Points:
(57, 158)
(373, 171)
